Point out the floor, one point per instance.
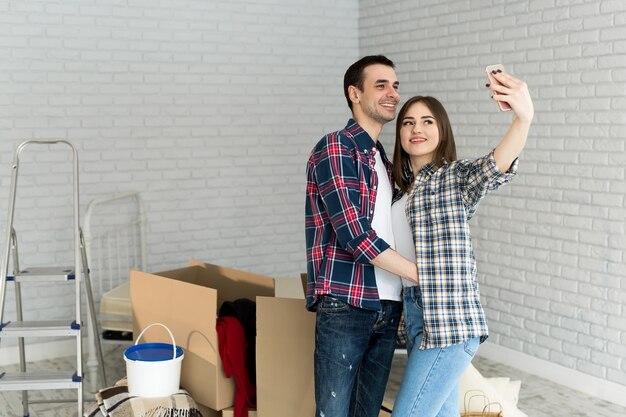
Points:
(538, 397)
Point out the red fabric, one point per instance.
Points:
(232, 344)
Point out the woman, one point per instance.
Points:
(443, 314)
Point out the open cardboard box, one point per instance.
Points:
(187, 301)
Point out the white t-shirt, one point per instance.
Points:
(402, 233)
(389, 285)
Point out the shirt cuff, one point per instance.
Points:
(368, 248)
(497, 176)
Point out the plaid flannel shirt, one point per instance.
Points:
(440, 204)
(340, 198)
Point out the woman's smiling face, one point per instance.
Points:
(419, 134)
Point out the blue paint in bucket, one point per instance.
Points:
(152, 352)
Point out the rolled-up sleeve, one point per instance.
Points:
(480, 176)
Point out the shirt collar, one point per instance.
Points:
(360, 136)
(429, 168)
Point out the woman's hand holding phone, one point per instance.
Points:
(492, 71)
(510, 93)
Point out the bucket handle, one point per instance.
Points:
(166, 328)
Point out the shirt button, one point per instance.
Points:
(375, 186)
(365, 151)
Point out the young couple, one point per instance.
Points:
(367, 259)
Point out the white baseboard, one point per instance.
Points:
(591, 385)
(9, 355)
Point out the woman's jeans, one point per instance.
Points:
(430, 386)
(353, 353)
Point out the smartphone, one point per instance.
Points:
(504, 106)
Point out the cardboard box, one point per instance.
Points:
(386, 408)
(285, 343)
(230, 412)
(187, 300)
(208, 412)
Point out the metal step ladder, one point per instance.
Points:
(64, 275)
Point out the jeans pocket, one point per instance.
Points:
(418, 301)
(471, 346)
(330, 304)
(417, 298)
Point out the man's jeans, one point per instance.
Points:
(430, 386)
(353, 353)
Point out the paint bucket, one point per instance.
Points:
(153, 369)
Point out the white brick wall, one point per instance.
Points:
(551, 249)
(208, 108)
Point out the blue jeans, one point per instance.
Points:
(353, 353)
(430, 386)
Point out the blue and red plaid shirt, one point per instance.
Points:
(340, 198)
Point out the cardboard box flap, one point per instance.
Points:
(171, 298)
(284, 351)
(246, 284)
(189, 275)
(165, 300)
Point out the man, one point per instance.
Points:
(353, 272)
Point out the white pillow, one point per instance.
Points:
(509, 390)
(473, 380)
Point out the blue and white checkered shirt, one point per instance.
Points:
(440, 204)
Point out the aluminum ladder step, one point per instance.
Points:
(47, 328)
(44, 274)
(21, 381)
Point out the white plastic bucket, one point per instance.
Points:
(153, 369)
